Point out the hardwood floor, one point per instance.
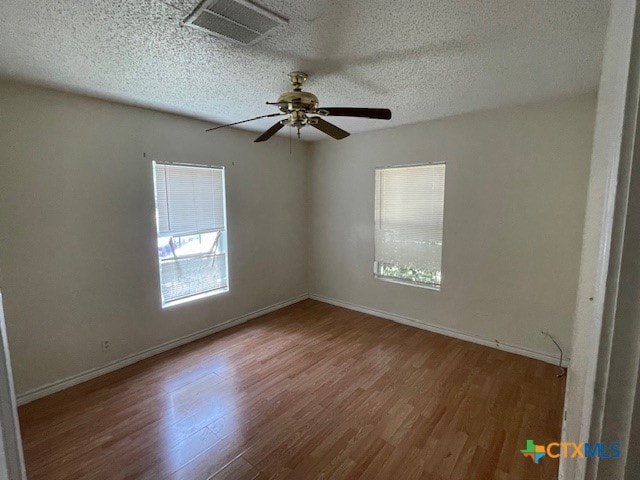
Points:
(310, 391)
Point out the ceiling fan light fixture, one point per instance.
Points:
(301, 109)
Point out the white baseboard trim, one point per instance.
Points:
(449, 332)
(65, 383)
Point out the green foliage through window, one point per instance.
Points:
(417, 275)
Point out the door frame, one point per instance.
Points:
(603, 375)
(11, 456)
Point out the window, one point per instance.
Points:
(408, 224)
(192, 237)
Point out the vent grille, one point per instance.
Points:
(243, 15)
(239, 20)
(219, 25)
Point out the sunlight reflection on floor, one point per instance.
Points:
(199, 414)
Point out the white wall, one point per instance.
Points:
(77, 234)
(77, 247)
(514, 206)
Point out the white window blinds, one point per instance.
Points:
(409, 210)
(189, 199)
(191, 225)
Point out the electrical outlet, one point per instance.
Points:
(106, 345)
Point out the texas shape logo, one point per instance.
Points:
(533, 451)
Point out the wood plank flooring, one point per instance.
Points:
(310, 391)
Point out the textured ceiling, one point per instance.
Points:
(424, 59)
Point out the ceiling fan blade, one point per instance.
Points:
(378, 113)
(244, 121)
(269, 133)
(329, 128)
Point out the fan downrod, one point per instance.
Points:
(297, 79)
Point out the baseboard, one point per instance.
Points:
(449, 332)
(123, 362)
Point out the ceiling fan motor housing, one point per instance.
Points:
(297, 104)
(297, 100)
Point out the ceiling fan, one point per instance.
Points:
(301, 109)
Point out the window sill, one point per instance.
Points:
(427, 286)
(192, 298)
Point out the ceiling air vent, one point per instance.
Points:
(239, 20)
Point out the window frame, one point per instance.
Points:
(398, 280)
(223, 232)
